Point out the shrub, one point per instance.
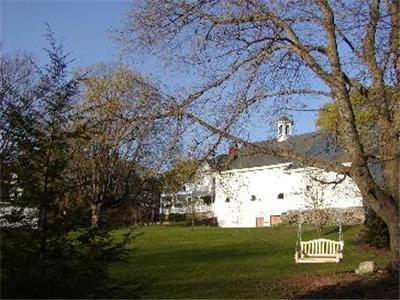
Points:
(178, 218)
(75, 266)
(206, 221)
(200, 219)
(377, 233)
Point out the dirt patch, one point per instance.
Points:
(344, 285)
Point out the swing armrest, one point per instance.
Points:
(300, 253)
(340, 253)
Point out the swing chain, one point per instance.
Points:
(299, 232)
(340, 225)
(340, 232)
(298, 238)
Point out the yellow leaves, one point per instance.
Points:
(108, 90)
(366, 114)
(329, 118)
(183, 172)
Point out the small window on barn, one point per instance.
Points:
(253, 198)
(308, 187)
(227, 199)
(281, 196)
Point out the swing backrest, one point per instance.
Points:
(321, 247)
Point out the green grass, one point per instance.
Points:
(176, 262)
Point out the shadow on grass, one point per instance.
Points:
(335, 230)
(235, 252)
(379, 287)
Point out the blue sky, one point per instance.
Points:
(84, 26)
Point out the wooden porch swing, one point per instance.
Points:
(319, 250)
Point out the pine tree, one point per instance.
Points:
(58, 259)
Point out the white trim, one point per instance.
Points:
(276, 166)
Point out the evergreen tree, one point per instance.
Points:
(57, 259)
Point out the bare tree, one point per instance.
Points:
(17, 76)
(272, 51)
(316, 199)
(113, 148)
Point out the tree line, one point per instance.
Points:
(69, 139)
(74, 146)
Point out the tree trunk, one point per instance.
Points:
(192, 215)
(43, 228)
(391, 218)
(394, 232)
(385, 207)
(96, 209)
(43, 209)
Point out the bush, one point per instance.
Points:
(200, 219)
(178, 218)
(75, 266)
(129, 214)
(206, 221)
(377, 233)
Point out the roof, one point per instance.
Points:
(285, 119)
(315, 144)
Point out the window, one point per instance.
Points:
(253, 198)
(280, 129)
(281, 196)
(308, 187)
(287, 129)
(227, 199)
(166, 201)
(207, 200)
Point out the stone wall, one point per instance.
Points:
(327, 216)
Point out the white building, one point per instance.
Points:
(15, 216)
(196, 196)
(254, 189)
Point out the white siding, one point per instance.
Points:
(266, 184)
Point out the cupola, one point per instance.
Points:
(284, 128)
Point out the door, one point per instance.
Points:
(275, 219)
(260, 222)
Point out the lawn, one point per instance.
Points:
(208, 262)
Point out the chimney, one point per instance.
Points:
(233, 150)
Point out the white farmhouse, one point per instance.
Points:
(254, 189)
(196, 196)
